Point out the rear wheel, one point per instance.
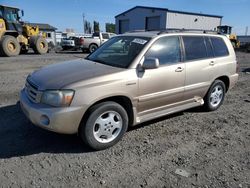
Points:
(215, 96)
(92, 47)
(9, 46)
(105, 126)
(39, 45)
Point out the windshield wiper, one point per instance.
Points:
(105, 63)
(98, 61)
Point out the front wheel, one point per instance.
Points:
(9, 46)
(105, 126)
(215, 96)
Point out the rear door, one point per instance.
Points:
(198, 54)
(222, 61)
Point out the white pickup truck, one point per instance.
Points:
(97, 39)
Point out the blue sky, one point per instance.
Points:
(68, 13)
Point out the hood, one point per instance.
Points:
(59, 75)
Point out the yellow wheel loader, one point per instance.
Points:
(227, 30)
(17, 37)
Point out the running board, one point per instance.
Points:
(168, 111)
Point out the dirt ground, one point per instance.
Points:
(211, 149)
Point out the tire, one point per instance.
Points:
(215, 96)
(39, 45)
(105, 126)
(9, 46)
(92, 48)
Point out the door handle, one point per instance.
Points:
(211, 63)
(179, 69)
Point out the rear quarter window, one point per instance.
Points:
(219, 46)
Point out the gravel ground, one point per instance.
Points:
(188, 149)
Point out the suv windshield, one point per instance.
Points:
(119, 51)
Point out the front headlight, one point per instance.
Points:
(57, 97)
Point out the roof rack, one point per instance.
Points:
(135, 31)
(174, 30)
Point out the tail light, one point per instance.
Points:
(81, 40)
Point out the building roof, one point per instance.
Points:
(7, 6)
(43, 26)
(168, 10)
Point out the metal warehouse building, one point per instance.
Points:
(152, 18)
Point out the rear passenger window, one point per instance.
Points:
(166, 49)
(194, 47)
(220, 48)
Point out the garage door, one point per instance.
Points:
(153, 23)
(123, 26)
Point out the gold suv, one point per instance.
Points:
(132, 78)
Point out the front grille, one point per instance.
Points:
(32, 91)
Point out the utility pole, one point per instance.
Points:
(246, 32)
(83, 19)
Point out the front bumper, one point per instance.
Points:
(64, 120)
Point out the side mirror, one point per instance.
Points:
(20, 13)
(150, 63)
